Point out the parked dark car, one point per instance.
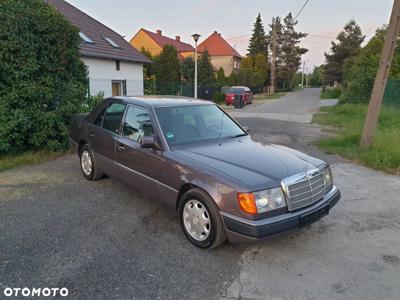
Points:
(193, 156)
(239, 92)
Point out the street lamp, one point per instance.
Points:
(196, 38)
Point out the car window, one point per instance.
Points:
(137, 123)
(236, 90)
(113, 117)
(195, 123)
(99, 119)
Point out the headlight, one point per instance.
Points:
(328, 180)
(261, 201)
(269, 199)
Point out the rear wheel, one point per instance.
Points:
(200, 219)
(88, 166)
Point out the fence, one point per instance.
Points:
(392, 93)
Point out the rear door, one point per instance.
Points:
(136, 166)
(102, 134)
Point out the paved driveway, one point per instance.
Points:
(297, 107)
(103, 240)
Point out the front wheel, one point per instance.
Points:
(200, 220)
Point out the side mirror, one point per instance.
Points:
(147, 142)
(247, 129)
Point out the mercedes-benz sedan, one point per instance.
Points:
(193, 156)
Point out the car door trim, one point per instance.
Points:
(145, 176)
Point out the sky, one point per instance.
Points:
(234, 19)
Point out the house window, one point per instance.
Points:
(111, 42)
(118, 87)
(85, 38)
(117, 65)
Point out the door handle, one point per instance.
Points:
(91, 134)
(121, 147)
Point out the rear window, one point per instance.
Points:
(236, 91)
(113, 117)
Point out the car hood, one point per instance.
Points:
(250, 163)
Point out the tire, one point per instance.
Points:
(91, 172)
(216, 236)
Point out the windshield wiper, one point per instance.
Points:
(238, 135)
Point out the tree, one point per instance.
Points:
(290, 51)
(246, 72)
(206, 75)
(149, 77)
(167, 71)
(43, 82)
(221, 78)
(247, 63)
(258, 42)
(360, 71)
(316, 77)
(187, 69)
(260, 66)
(232, 79)
(347, 46)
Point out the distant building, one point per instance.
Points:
(221, 53)
(115, 67)
(154, 42)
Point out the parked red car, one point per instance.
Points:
(239, 91)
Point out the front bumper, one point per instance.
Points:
(239, 229)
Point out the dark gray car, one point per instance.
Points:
(193, 156)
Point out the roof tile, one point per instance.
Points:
(216, 45)
(97, 31)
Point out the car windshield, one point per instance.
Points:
(196, 123)
(236, 91)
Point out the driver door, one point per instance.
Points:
(136, 166)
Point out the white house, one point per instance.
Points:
(115, 67)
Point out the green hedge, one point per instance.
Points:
(42, 79)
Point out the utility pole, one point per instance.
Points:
(378, 91)
(273, 62)
(302, 74)
(307, 77)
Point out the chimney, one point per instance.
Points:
(178, 38)
(159, 32)
(216, 32)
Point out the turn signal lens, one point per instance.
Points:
(247, 203)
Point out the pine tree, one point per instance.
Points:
(258, 42)
(288, 51)
(348, 45)
(291, 52)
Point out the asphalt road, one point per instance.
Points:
(103, 240)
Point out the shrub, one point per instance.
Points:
(42, 79)
(219, 97)
(91, 102)
(331, 92)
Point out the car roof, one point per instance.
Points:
(161, 101)
(239, 87)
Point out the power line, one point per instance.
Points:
(301, 9)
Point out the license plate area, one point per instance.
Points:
(313, 217)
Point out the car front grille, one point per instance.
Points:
(305, 191)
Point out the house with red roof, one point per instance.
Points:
(154, 42)
(222, 54)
